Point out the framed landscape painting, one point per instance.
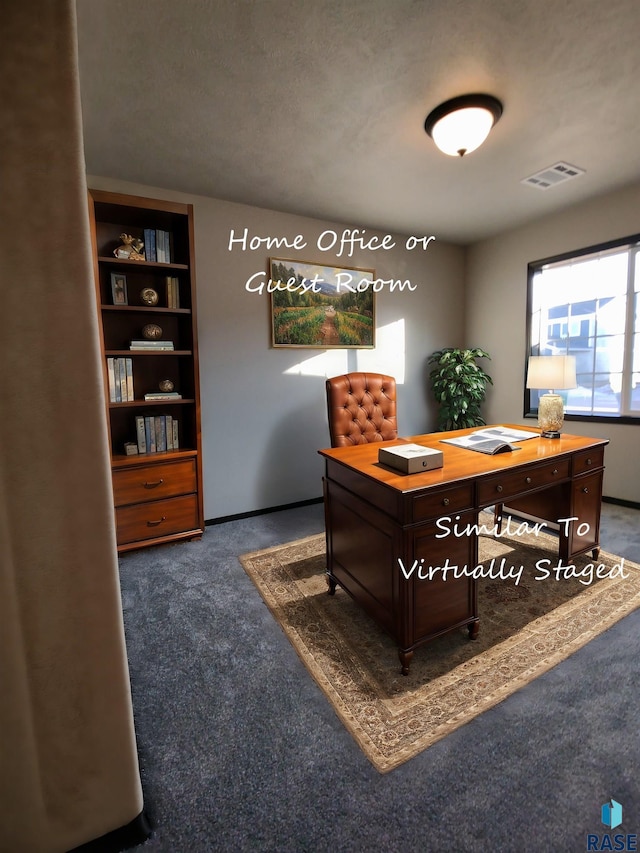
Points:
(317, 306)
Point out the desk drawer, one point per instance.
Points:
(153, 482)
(588, 460)
(156, 518)
(442, 502)
(510, 484)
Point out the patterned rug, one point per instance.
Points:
(525, 629)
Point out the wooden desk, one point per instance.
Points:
(375, 517)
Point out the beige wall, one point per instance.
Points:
(263, 409)
(496, 287)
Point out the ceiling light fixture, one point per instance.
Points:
(462, 124)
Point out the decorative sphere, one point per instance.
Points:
(152, 332)
(149, 296)
(166, 385)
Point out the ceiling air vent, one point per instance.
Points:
(553, 175)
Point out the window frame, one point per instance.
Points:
(530, 411)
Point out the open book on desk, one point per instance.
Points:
(492, 439)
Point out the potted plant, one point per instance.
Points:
(459, 386)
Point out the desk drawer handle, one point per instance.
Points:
(555, 471)
(585, 489)
(588, 461)
(498, 488)
(149, 485)
(156, 523)
(527, 480)
(445, 502)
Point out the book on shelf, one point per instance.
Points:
(161, 434)
(157, 433)
(173, 291)
(169, 431)
(163, 395)
(150, 434)
(163, 246)
(149, 237)
(141, 434)
(120, 378)
(128, 362)
(111, 375)
(152, 345)
(157, 245)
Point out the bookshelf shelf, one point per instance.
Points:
(155, 445)
(134, 404)
(142, 309)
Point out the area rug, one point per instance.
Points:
(525, 629)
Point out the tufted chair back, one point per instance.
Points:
(361, 408)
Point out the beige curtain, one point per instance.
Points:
(68, 763)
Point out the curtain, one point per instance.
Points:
(68, 761)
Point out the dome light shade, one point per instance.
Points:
(462, 124)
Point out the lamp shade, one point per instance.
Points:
(554, 372)
(462, 124)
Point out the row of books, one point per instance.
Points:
(157, 433)
(173, 292)
(157, 245)
(120, 373)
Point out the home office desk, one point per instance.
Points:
(376, 517)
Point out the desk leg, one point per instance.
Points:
(331, 583)
(405, 660)
(473, 629)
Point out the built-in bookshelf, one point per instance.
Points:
(144, 272)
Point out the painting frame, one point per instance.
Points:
(119, 289)
(319, 305)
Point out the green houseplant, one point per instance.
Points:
(459, 386)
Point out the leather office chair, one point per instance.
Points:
(361, 408)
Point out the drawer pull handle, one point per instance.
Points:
(157, 522)
(527, 480)
(149, 485)
(588, 461)
(445, 502)
(555, 471)
(498, 488)
(585, 489)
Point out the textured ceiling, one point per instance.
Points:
(317, 107)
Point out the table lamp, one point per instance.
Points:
(557, 372)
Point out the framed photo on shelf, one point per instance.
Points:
(321, 307)
(119, 288)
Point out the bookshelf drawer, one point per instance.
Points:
(156, 518)
(513, 483)
(153, 482)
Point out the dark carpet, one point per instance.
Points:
(240, 751)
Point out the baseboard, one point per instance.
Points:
(123, 838)
(223, 519)
(621, 502)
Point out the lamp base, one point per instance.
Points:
(550, 415)
(550, 433)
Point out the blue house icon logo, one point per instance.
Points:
(612, 814)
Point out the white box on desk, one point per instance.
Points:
(411, 458)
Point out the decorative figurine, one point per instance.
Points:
(166, 385)
(152, 332)
(149, 296)
(131, 249)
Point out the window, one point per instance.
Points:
(588, 305)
